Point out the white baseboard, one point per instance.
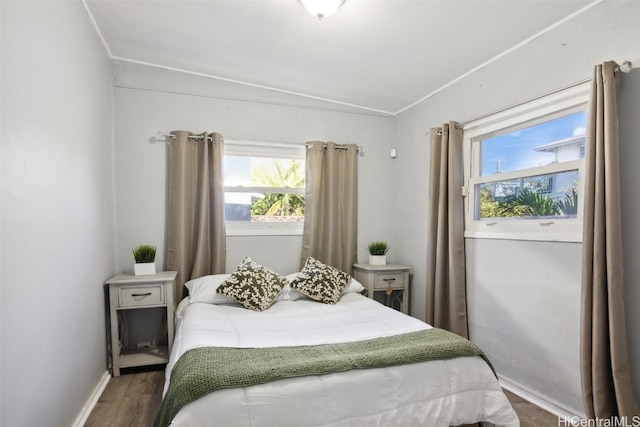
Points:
(544, 402)
(93, 399)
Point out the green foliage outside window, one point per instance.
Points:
(527, 202)
(277, 174)
(569, 205)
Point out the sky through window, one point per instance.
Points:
(516, 150)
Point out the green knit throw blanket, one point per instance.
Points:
(202, 370)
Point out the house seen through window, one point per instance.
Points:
(524, 172)
(532, 192)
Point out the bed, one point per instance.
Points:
(215, 331)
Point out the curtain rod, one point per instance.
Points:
(169, 136)
(625, 67)
(439, 131)
(340, 147)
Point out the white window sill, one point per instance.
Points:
(570, 233)
(264, 229)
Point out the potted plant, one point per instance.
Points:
(145, 257)
(378, 253)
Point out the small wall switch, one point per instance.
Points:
(393, 153)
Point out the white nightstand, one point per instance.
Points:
(388, 284)
(135, 293)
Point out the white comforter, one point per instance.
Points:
(437, 393)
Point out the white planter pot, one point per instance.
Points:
(377, 259)
(143, 269)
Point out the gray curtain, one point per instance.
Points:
(606, 375)
(331, 205)
(446, 279)
(196, 238)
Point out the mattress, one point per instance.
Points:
(437, 393)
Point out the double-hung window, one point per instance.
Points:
(264, 187)
(524, 170)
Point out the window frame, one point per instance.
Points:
(267, 149)
(540, 110)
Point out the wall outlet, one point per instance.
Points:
(145, 344)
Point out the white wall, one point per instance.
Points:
(57, 213)
(523, 296)
(148, 100)
(629, 105)
(524, 312)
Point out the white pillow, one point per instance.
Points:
(353, 286)
(203, 289)
(288, 294)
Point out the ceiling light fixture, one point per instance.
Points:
(322, 8)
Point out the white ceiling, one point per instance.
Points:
(381, 55)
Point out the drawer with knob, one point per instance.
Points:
(137, 296)
(388, 284)
(389, 281)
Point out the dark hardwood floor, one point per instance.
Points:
(133, 398)
(531, 415)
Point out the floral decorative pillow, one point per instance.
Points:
(288, 294)
(320, 282)
(253, 285)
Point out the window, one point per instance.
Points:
(264, 187)
(524, 169)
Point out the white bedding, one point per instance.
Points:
(433, 394)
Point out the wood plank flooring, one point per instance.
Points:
(132, 399)
(531, 415)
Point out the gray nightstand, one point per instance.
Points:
(388, 284)
(127, 293)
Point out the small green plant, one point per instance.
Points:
(144, 254)
(569, 205)
(529, 202)
(378, 248)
